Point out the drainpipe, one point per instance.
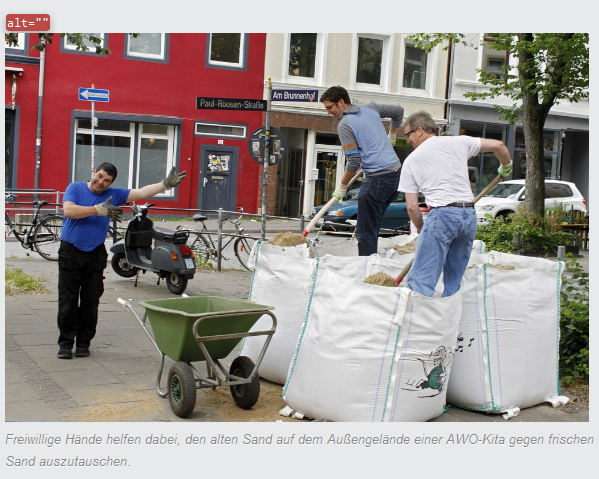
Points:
(38, 138)
(449, 83)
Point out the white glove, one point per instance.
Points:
(340, 192)
(392, 137)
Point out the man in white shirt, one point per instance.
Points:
(438, 167)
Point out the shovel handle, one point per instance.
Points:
(406, 269)
(324, 209)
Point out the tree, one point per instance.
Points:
(550, 67)
(83, 41)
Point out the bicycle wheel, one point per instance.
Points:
(202, 249)
(243, 247)
(46, 237)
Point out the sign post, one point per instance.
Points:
(93, 95)
(266, 159)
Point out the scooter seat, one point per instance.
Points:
(170, 236)
(199, 217)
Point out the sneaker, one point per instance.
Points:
(65, 354)
(82, 352)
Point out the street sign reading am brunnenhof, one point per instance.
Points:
(93, 94)
(208, 103)
(295, 95)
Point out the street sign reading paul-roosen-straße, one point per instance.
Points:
(207, 103)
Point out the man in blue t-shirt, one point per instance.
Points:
(88, 208)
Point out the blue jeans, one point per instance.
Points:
(376, 193)
(445, 243)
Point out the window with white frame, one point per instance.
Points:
(227, 50)
(369, 60)
(221, 130)
(494, 61)
(302, 54)
(414, 67)
(146, 46)
(143, 153)
(68, 45)
(20, 48)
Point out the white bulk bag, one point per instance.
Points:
(368, 352)
(509, 334)
(278, 280)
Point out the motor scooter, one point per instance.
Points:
(169, 258)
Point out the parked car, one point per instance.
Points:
(508, 196)
(395, 220)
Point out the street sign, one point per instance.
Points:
(295, 95)
(93, 94)
(278, 145)
(209, 103)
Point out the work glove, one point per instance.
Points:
(106, 209)
(392, 137)
(173, 179)
(505, 170)
(340, 192)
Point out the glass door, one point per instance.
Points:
(327, 163)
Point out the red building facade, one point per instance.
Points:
(150, 121)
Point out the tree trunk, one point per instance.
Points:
(534, 120)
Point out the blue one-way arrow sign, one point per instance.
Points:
(93, 94)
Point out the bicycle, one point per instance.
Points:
(205, 243)
(42, 234)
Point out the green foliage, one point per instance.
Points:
(539, 235)
(574, 323)
(550, 66)
(545, 69)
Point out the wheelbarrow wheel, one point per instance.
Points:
(176, 283)
(181, 389)
(245, 395)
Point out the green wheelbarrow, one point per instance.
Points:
(204, 328)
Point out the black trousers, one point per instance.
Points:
(80, 287)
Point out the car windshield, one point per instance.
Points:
(504, 190)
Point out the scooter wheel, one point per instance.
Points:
(176, 283)
(122, 267)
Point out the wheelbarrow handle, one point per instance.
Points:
(406, 269)
(325, 208)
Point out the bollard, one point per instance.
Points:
(561, 253)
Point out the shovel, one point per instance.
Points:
(404, 271)
(324, 209)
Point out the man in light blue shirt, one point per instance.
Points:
(367, 146)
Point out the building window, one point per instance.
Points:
(143, 153)
(20, 48)
(495, 66)
(482, 168)
(221, 130)
(147, 47)
(302, 54)
(493, 61)
(227, 50)
(67, 46)
(551, 147)
(414, 70)
(369, 60)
